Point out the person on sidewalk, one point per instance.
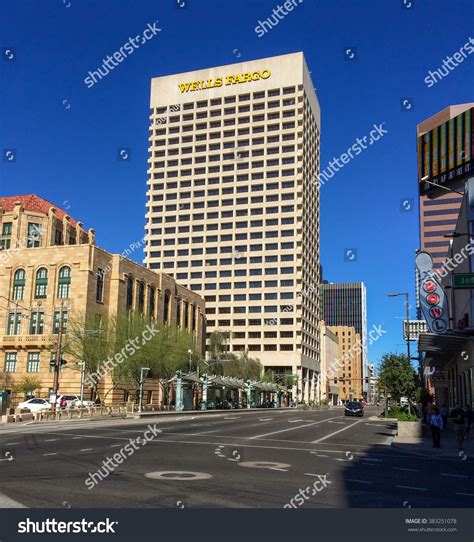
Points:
(458, 416)
(469, 417)
(436, 423)
(444, 414)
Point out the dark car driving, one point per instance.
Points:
(354, 408)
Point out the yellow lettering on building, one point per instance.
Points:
(246, 77)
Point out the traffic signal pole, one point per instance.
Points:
(57, 361)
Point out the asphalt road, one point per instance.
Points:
(230, 459)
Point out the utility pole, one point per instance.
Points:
(57, 361)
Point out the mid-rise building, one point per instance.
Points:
(233, 204)
(350, 379)
(51, 272)
(330, 365)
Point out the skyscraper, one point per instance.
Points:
(233, 204)
(345, 304)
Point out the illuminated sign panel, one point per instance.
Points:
(446, 153)
(202, 84)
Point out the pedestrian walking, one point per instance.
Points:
(436, 423)
(444, 414)
(469, 415)
(458, 416)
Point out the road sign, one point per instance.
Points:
(463, 280)
(415, 327)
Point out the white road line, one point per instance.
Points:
(202, 432)
(371, 459)
(291, 428)
(11, 443)
(359, 481)
(265, 419)
(115, 445)
(86, 449)
(415, 488)
(51, 440)
(409, 470)
(340, 423)
(6, 502)
(453, 475)
(53, 453)
(76, 438)
(335, 433)
(466, 494)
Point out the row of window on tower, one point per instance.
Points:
(41, 284)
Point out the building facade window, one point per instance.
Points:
(64, 283)
(166, 307)
(57, 317)
(33, 235)
(19, 285)
(5, 240)
(37, 323)
(14, 323)
(41, 283)
(99, 291)
(141, 297)
(151, 301)
(33, 362)
(129, 293)
(10, 362)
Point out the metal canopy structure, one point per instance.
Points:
(439, 349)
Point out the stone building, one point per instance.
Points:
(51, 270)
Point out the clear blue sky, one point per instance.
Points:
(67, 136)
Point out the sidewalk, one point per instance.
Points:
(449, 448)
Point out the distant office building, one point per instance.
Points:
(233, 204)
(345, 304)
(328, 389)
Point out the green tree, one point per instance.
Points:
(396, 375)
(27, 385)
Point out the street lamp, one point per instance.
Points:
(407, 305)
(190, 352)
(142, 381)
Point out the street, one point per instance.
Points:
(230, 459)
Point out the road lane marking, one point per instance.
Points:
(409, 470)
(86, 449)
(466, 494)
(76, 438)
(270, 465)
(359, 481)
(414, 488)
(265, 419)
(453, 475)
(317, 441)
(298, 420)
(340, 423)
(51, 440)
(291, 428)
(52, 453)
(204, 432)
(372, 459)
(115, 445)
(11, 443)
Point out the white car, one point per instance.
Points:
(35, 405)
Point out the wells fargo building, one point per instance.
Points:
(233, 206)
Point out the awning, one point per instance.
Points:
(439, 349)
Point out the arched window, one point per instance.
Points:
(178, 312)
(41, 284)
(129, 292)
(166, 307)
(19, 284)
(141, 297)
(64, 283)
(151, 301)
(186, 314)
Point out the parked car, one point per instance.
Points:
(77, 403)
(354, 408)
(66, 401)
(35, 405)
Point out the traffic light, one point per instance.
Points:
(335, 380)
(62, 362)
(52, 363)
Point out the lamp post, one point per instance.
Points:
(407, 306)
(142, 381)
(190, 352)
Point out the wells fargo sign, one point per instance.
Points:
(248, 77)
